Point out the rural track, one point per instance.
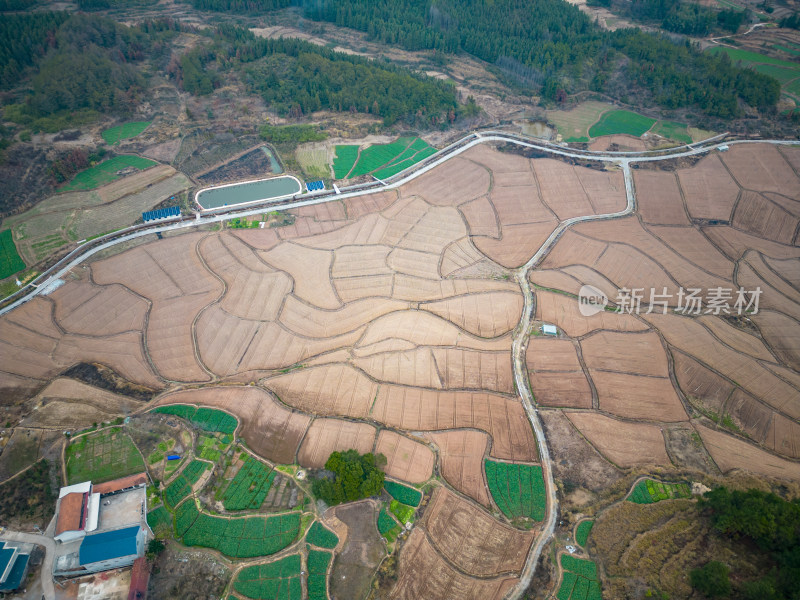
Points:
(51, 278)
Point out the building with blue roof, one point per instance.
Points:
(13, 567)
(111, 549)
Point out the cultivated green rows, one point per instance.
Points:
(125, 131)
(387, 526)
(579, 581)
(249, 487)
(582, 532)
(403, 493)
(102, 456)
(648, 491)
(318, 562)
(382, 160)
(10, 261)
(321, 536)
(106, 172)
(273, 581)
(239, 537)
(518, 490)
(209, 419)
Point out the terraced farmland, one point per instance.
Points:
(126, 131)
(206, 419)
(385, 322)
(518, 490)
(648, 491)
(250, 485)
(275, 580)
(380, 160)
(237, 537)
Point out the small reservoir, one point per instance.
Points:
(246, 192)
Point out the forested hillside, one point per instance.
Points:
(689, 18)
(75, 63)
(297, 78)
(561, 47)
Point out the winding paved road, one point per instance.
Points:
(520, 338)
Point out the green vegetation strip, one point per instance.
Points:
(381, 160)
(648, 491)
(346, 156)
(249, 487)
(582, 532)
(124, 132)
(238, 537)
(621, 122)
(518, 490)
(160, 521)
(403, 493)
(102, 456)
(279, 580)
(177, 490)
(387, 526)
(673, 131)
(404, 514)
(321, 536)
(10, 261)
(208, 419)
(318, 562)
(106, 172)
(579, 581)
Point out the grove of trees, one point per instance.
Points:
(771, 526)
(356, 476)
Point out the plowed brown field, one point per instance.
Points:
(461, 453)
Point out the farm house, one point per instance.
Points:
(100, 527)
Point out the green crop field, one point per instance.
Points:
(573, 125)
(194, 470)
(344, 160)
(208, 419)
(404, 514)
(106, 172)
(249, 487)
(125, 131)
(313, 159)
(648, 491)
(102, 456)
(621, 121)
(381, 160)
(321, 536)
(279, 580)
(518, 490)
(403, 493)
(10, 260)
(582, 532)
(673, 131)
(160, 521)
(211, 448)
(579, 581)
(237, 537)
(318, 562)
(387, 526)
(177, 490)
